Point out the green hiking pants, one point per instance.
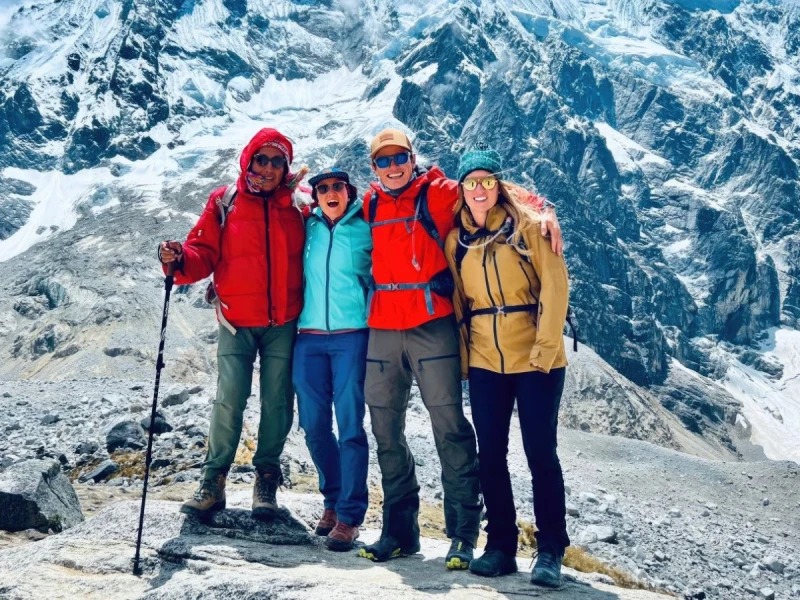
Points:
(429, 353)
(236, 355)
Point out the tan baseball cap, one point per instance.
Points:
(389, 137)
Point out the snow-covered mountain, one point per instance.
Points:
(666, 131)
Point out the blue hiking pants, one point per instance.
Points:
(328, 376)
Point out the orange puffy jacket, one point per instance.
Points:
(404, 253)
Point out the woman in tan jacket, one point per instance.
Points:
(511, 299)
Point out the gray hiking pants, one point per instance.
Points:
(429, 352)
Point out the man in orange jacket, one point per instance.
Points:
(256, 255)
(413, 333)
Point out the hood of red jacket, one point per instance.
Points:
(266, 137)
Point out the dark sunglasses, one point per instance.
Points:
(262, 160)
(324, 188)
(383, 162)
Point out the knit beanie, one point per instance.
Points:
(480, 157)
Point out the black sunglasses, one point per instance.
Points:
(262, 160)
(323, 188)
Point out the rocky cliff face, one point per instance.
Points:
(665, 132)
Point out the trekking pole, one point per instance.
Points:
(168, 280)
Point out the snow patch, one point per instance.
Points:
(55, 201)
(772, 407)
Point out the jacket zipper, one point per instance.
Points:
(328, 279)
(503, 300)
(269, 264)
(494, 318)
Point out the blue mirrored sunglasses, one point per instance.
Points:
(401, 158)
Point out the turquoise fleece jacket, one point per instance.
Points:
(337, 262)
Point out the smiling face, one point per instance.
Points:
(333, 202)
(267, 176)
(480, 200)
(394, 176)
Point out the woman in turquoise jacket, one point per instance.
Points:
(331, 351)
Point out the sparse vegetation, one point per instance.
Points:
(246, 450)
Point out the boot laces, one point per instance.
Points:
(267, 486)
(207, 489)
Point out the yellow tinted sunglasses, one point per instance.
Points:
(488, 183)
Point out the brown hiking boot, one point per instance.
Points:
(209, 498)
(327, 522)
(265, 504)
(342, 537)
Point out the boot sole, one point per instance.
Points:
(196, 512)
(508, 570)
(264, 514)
(323, 531)
(337, 546)
(457, 564)
(396, 553)
(546, 582)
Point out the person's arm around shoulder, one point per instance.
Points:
(550, 227)
(198, 255)
(553, 299)
(460, 303)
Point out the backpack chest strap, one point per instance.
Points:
(395, 287)
(407, 220)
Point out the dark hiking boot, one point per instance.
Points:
(493, 563)
(459, 555)
(326, 523)
(342, 537)
(547, 570)
(208, 499)
(265, 490)
(387, 547)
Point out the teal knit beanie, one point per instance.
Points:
(480, 157)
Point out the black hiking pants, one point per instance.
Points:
(538, 396)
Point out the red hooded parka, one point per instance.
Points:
(257, 258)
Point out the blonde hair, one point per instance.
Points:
(515, 200)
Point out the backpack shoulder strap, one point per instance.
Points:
(225, 203)
(373, 207)
(425, 218)
(461, 248)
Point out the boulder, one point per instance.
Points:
(598, 533)
(160, 424)
(125, 434)
(35, 495)
(175, 398)
(101, 472)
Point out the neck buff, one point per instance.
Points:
(254, 183)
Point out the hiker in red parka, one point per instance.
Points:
(413, 334)
(254, 250)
